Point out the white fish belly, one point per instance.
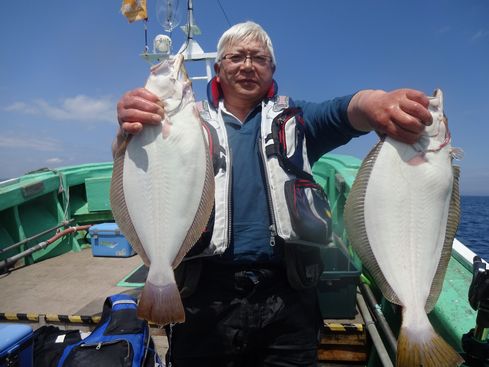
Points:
(163, 183)
(406, 211)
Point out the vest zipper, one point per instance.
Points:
(230, 198)
(273, 225)
(273, 233)
(229, 175)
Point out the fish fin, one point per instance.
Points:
(119, 207)
(204, 211)
(179, 69)
(354, 216)
(177, 65)
(120, 145)
(161, 304)
(430, 351)
(446, 253)
(457, 153)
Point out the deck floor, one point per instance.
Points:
(71, 284)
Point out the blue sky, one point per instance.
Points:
(65, 64)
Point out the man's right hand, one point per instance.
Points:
(138, 107)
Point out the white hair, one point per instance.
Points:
(241, 32)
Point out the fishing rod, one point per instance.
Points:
(476, 342)
(382, 352)
(380, 319)
(20, 243)
(4, 264)
(371, 303)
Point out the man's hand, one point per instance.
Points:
(138, 107)
(401, 114)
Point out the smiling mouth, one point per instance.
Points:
(247, 81)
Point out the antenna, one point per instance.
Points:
(168, 16)
(191, 49)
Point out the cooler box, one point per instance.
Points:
(337, 286)
(107, 240)
(16, 347)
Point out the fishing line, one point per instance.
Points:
(224, 12)
(188, 29)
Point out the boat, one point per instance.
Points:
(62, 282)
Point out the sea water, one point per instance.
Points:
(473, 230)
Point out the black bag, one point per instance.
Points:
(310, 214)
(50, 342)
(303, 264)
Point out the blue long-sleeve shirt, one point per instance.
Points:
(327, 127)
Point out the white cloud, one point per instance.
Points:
(482, 33)
(44, 145)
(444, 29)
(80, 108)
(54, 160)
(21, 107)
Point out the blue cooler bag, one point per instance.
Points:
(16, 345)
(107, 240)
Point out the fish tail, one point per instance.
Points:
(161, 304)
(427, 351)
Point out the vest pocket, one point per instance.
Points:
(288, 134)
(310, 214)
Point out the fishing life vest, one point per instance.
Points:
(298, 206)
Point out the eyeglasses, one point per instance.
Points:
(235, 59)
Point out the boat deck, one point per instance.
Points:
(77, 283)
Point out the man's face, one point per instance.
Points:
(246, 71)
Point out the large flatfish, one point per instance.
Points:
(401, 217)
(162, 190)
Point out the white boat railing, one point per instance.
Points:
(463, 254)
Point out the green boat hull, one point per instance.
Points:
(41, 200)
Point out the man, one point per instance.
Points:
(254, 303)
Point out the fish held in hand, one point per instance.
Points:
(401, 217)
(162, 190)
